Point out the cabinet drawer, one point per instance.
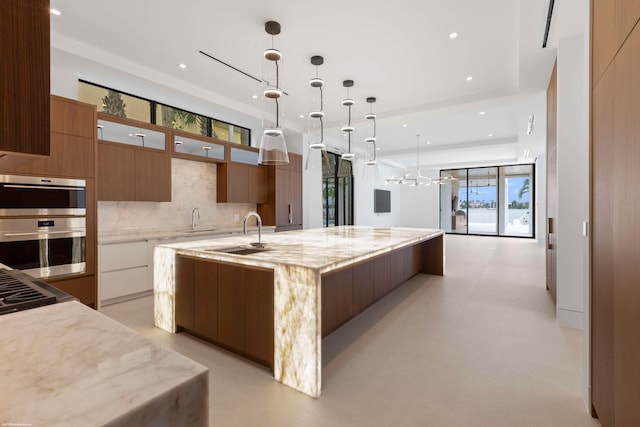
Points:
(114, 284)
(123, 255)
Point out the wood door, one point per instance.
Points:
(231, 306)
(116, 180)
(552, 182)
(337, 300)
(259, 310)
(71, 157)
(237, 183)
(602, 248)
(152, 176)
(396, 269)
(363, 286)
(72, 117)
(626, 233)
(25, 68)
(83, 288)
(184, 292)
(296, 198)
(382, 279)
(256, 184)
(205, 299)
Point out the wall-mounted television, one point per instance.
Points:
(381, 201)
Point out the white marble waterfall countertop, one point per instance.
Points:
(322, 249)
(298, 260)
(67, 365)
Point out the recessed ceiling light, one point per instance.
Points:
(428, 142)
(183, 66)
(481, 113)
(469, 78)
(255, 96)
(55, 12)
(301, 116)
(490, 134)
(404, 125)
(453, 35)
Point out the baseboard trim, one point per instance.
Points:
(570, 318)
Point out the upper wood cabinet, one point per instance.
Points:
(134, 163)
(283, 207)
(73, 132)
(24, 85)
(241, 180)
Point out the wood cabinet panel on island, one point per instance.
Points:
(229, 305)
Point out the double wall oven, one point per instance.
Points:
(43, 225)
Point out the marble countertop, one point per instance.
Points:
(321, 249)
(66, 365)
(138, 235)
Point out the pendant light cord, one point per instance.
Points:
(277, 87)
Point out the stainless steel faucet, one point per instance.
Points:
(193, 221)
(259, 244)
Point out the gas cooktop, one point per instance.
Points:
(19, 291)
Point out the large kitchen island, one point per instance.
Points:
(274, 305)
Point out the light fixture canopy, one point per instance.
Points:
(273, 148)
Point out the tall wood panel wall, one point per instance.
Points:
(615, 212)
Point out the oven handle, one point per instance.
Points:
(43, 187)
(37, 233)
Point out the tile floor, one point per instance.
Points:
(477, 347)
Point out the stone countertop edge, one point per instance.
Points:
(144, 235)
(68, 364)
(266, 260)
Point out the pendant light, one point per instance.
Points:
(413, 178)
(316, 115)
(348, 129)
(370, 170)
(273, 149)
(345, 166)
(316, 121)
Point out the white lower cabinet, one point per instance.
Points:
(124, 271)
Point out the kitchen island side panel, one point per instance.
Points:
(298, 341)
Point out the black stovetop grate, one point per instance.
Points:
(17, 292)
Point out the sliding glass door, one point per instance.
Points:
(494, 201)
(483, 201)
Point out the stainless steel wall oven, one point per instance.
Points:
(43, 225)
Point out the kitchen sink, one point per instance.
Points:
(239, 250)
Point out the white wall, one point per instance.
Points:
(363, 199)
(420, 205)
(573, 180)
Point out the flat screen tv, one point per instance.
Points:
(381, 201)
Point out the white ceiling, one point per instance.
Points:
(399, 52)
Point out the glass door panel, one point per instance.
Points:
(517, 209)
(453, 201)
(483, 201)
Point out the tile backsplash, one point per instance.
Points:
(193, 185)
